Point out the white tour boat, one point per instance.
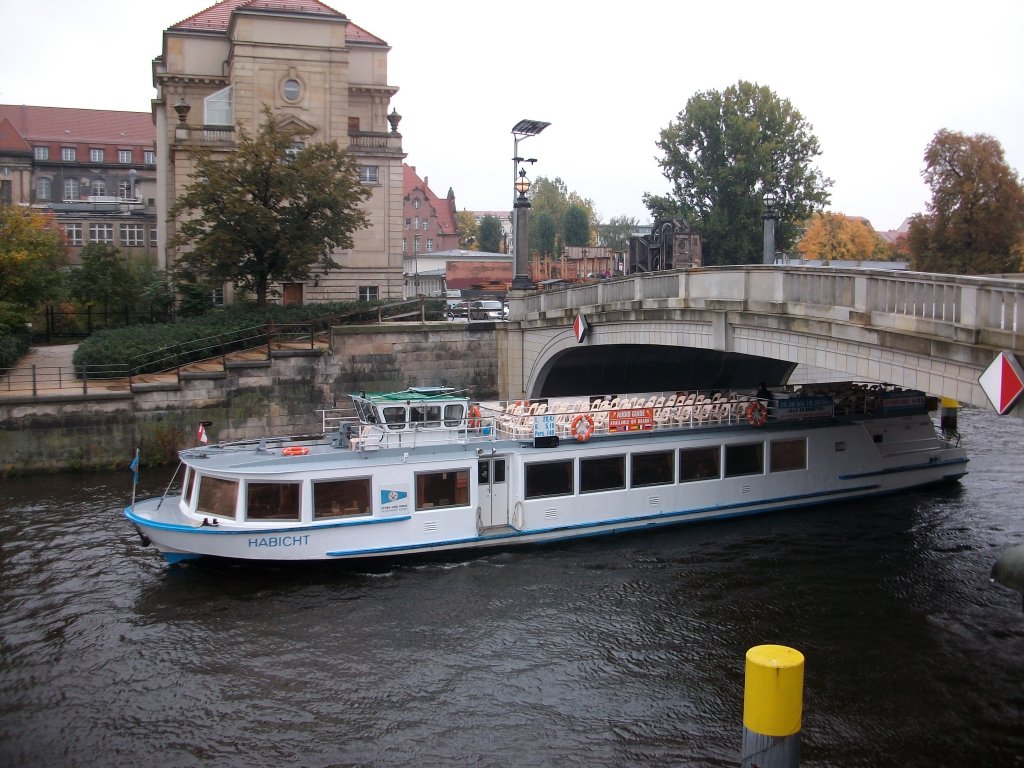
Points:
(427, 470)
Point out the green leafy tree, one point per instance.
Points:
(975, 220)
(543, 233)
(722, 153)
(490, 234)
(267, 213)
(576, 226)
(31, 257)
(616, 233)
(553, 197)
(465, 222)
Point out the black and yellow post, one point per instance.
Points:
(772, 707)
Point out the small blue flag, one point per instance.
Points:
(134, 466)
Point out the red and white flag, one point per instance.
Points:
(201, 434)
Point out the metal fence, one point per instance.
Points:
(56, 323)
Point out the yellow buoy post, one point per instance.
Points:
(947, 415)
(773, 699)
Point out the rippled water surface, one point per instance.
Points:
(608, 652)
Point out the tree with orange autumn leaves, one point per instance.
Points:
(833, 236)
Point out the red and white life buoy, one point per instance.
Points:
(294, 450)
(582, 427)
(757, 414)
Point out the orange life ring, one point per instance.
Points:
(588, 427)
(757, 414)
(474, 417)
(294, 450)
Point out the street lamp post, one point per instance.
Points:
(521, 227)
(770, 198)
(524, 129)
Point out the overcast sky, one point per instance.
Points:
(875, 80)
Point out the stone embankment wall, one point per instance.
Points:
(279, 396)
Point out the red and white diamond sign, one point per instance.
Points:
(1003, 381)
(580, 328)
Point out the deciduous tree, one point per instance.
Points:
(975, 220)
(722, 153)
(835, 236)
(269, 212)
(31, 255)
(616, 233)
(490, 234)
(576, 226)
(465, 221)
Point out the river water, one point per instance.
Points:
(607, 652)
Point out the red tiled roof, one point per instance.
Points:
(217, 17)
(11, 141)
(441, 208)
(61, 124)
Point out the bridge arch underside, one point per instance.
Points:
(618, 368)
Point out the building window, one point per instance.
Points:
(149, 157)
(217, 297)
(67, 153)
(408, 223)
(42, 153)
(405, 246)
(218, 109)
(124, 190)
(70, 189)
(292, 89)
(101, 233)
(416, 203)
(152, 236)
(430, 245)
(99, 187)
(368, 174)
(124, 156)
(132, 234)
(296, 147)
(416, 223)
(44, 188)
(353, 125)
(368, 293)
(96, 155)
(73, 234)
(415, 245)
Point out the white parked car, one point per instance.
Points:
(487, 310)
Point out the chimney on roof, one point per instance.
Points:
(426, 182)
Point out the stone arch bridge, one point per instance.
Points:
(737, 326)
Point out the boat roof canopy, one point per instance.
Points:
(413, 394)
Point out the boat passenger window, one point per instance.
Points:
(454, 414)
(442, 489)
(394, 417)
(699, 464)
(652, 469)
(272, 501)
(747, 459)
(190, 486)
(548, 478)
(427, 415)
(785, 455)
(217, 497)
(341, 498)
(603, 473)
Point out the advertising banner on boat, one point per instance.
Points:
(909, 400)
(801, 408)
(631, 420)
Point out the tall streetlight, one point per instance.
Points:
(521, 205)
(770, 198)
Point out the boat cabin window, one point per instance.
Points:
(652, 469)
(190, 485)
(364, 411)
(394, 416)
(454, 414)
(341, 498)
(217, 497)
(427, 415)
(785, 455)
(271, 501)
(699, 464)
(603, 473)
(442, 489)
(548, 478)
(747, 459)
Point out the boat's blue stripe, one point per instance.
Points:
(131, 515)
(661, 518)
(907, 468)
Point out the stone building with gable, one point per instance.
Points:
(318, 72)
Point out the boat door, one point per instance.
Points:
(493, 489)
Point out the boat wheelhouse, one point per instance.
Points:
(428, 470)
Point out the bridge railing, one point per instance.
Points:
(984, 309)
